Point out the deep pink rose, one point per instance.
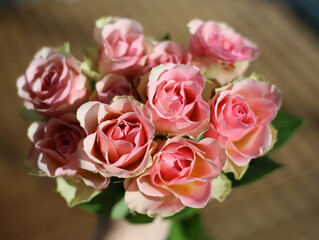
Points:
(53, 84)
(241, 116)
(180, 176)
(122, 47)
(110, 86)
(167, 52)
(120, 137)
(220, 41)
(174, 94)
(54, 150)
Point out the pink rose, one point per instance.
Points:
(119, 140)
(167, 52)
(53, 84)
(121, 45)
(180, 176)
(220, 41)
(174, 94)
(112, 85)
(240, 118)
(54, 150)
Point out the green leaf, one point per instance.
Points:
(30, 115)
(104, 202)
(258, 168)
(137, 218)
(188, 229)
(74, 192)
(120, 210)
(187, 212)
(166, 37)
(286, 126)
(64, 49)
(177, 232)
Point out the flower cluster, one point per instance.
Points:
(167, 120)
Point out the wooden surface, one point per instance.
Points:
(284, 205)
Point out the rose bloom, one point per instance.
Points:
(240, 118)
(54, 149)
(220, 42)
(122, 47)
(167, 52)
(53, 84)
(110, 86)
(180, 176)
(174, 94)
(120, 137)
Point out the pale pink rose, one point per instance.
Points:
(167, 52)
(180, 176)
(220, 41)
(174, 94)
(54, 149)
(120, 137)
(122, 47)
(53, 84)
(240, 118)
(110, 86)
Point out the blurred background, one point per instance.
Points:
(284, 205)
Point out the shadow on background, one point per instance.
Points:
(308, 10)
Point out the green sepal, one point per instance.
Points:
(200, 138)
(64, 49)
(74, 192)
(89, 65)
(101, 22)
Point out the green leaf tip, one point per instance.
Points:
(258, 168)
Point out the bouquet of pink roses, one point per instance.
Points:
(144, 128)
